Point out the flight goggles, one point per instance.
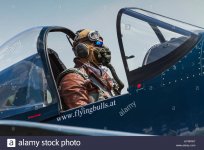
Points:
(95, 37)
(92, 36)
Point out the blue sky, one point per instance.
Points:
(18, 15)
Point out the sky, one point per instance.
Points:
(19, 15)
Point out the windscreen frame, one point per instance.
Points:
(43, 51)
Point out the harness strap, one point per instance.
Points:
(102, 88)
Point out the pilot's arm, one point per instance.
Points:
(73, 90)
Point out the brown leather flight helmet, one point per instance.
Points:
(84, 46)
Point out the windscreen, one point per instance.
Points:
(22, 78)
(22, 83)
(19, 47)
(147, 37)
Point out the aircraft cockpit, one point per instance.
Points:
(23, 85)
(28, 68)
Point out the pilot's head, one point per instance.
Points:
(88, 45)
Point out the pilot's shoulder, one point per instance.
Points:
(74, 72)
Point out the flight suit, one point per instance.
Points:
(84, 84)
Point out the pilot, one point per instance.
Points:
(89, 80)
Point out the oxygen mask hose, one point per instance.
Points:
(116, 78)
(103, 55)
